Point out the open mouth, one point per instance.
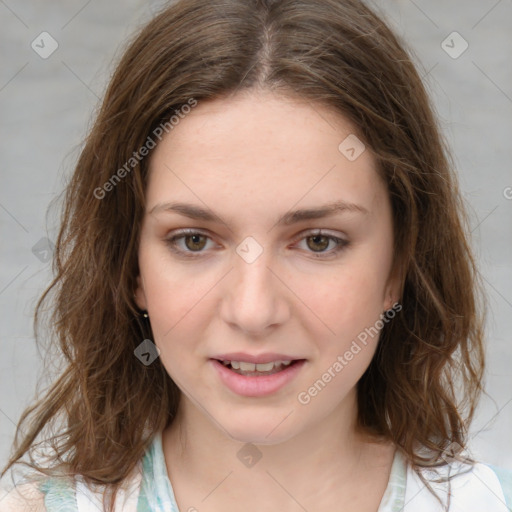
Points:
(260, 369)
(257, 379)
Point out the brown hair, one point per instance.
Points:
(422, 386)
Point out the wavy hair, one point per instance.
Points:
(422, 386)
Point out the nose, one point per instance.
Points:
(255, 298)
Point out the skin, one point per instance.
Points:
(250, 158)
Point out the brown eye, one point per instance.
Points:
(320, 242)
(197, 242)
(188, 243)
(317, 244)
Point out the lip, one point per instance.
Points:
(256, 386)
(256, 358)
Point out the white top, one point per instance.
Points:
(477, 488)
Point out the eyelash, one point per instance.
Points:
(171, 242)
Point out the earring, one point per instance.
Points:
(145, 314)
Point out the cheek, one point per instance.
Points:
(171, 297)
(344, 301)
(347, 305)
(171, 290)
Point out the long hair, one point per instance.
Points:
(422, 386)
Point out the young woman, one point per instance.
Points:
(265, 293)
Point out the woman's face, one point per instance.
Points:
(245, 175)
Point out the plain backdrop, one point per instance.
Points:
(463, 49)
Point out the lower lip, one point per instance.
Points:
(256, 385)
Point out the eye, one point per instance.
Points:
(318, 241)
(194, 242)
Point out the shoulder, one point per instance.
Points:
(41, 494)
(470, 487)
(70, 494)
(487, 485)
(22, 498)
(504, 477)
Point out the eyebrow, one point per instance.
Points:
(288, 219)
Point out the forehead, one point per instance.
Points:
(262, 150)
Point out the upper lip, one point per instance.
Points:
(255, 358)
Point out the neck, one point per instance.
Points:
(326, 456)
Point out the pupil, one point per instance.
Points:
(195, 241)
(315, 239)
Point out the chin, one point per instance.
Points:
(259, 432)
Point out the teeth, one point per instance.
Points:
(251, 367)
(262, 367)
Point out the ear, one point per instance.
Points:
(393, 292)
(140, 294)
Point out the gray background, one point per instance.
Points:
(46, 106)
